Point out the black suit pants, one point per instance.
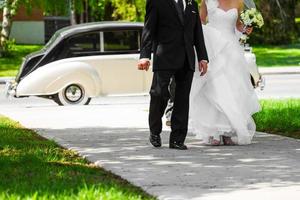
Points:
(159, 98)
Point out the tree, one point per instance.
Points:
(98, 10)
(129, 10)
(280, 26)
(10, 9)
(80, 11)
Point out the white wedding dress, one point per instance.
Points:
(223, 101)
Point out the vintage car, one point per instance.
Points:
(84, 61)
(88, 60)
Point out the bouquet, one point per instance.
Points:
(251, 18)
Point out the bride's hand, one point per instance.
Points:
(249, 30)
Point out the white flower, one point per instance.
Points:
(243, 39)
(252, 17)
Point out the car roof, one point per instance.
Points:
(94, 26)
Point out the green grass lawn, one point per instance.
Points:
(284, 55)
(32, 167)
(9, 66)
(279, 117)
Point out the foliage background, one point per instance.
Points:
(280, 22)
(282, 18)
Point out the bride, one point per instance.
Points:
(223, 102)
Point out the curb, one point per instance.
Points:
(3, 80)
(279, 70)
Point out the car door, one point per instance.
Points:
(84, 44)
(118, 64)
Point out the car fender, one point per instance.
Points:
(53, 77)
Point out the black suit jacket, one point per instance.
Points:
(172, 36)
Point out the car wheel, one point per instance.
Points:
(73, 94)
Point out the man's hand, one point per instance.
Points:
(203, 67)
(144, 64)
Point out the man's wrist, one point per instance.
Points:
(205, 61)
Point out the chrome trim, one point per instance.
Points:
(262, 83)
(9, 89)
(73, 94)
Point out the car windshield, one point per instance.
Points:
(52, 41)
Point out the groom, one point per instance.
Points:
(172, 30)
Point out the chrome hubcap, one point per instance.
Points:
(73, 93)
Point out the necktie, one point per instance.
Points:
(180, 4)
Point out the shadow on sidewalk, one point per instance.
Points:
(271, 161)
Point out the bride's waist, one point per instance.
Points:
(225, 32)
(223, 28)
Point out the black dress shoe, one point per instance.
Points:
(178, 146)
(155, 140)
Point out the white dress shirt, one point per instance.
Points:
(184, 3)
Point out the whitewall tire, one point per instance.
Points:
(73, 94)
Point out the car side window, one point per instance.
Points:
(84, 43)
(121, 41)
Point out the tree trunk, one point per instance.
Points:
(72, 12)
(6, 28)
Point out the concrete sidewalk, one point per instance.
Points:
(262, 70)
(113, 134)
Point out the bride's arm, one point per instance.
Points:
(239, 24)
(203, 12)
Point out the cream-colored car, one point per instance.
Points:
(84, 61)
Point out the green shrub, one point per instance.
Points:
(7, 47)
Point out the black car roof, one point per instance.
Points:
(94, 26)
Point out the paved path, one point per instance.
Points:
(112, 132)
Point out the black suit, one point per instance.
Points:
(172, 34)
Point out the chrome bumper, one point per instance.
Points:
(10, 89)
(262, 83)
